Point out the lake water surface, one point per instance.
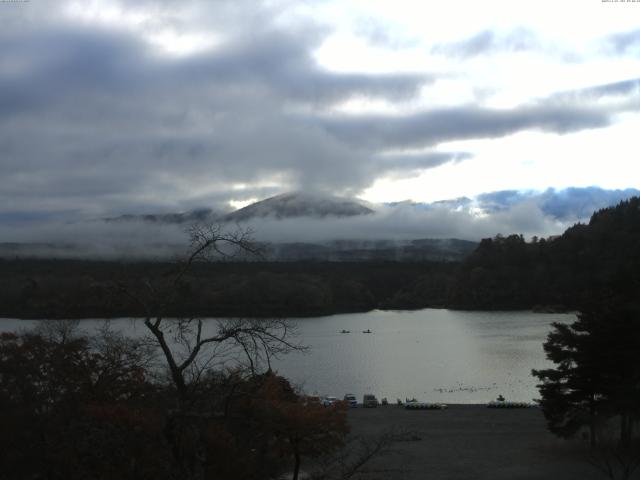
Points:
(432, 355)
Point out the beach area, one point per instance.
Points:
(470, 442)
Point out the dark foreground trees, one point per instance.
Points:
(209, 406)
(71, 408)
(79, 409)
(596, 380)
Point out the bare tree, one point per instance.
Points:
(191, 347)
(58, 331)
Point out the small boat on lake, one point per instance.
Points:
(366, 331)
(345, 331)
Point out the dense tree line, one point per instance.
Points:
(31, 288)
(511, 273)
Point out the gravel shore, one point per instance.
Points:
(471, 442)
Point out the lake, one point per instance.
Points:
(433, 355)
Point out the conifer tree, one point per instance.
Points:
(596, 376)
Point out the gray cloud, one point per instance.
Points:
(625, 42)
(408, 164)
(488, 42)
(460, 123)
(625, 89)
(95, 122)
(96, 113)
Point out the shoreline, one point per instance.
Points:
(535, 309)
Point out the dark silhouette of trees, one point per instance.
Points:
(596, 378)
(75, 407)
(298, 428)
(557, 273)
(71, 408)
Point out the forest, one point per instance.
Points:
(554, 273)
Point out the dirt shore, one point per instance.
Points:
(471, 442)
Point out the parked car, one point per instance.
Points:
(328, 401)
(369, 400)
(351, 400)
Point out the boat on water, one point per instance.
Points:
(345, 331)
(366, 331)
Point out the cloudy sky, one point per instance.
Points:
(110, 107)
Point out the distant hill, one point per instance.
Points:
(299, 204)
(601, 257)
(427, 249)
(202, 215)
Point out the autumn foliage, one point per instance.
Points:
(78, 409)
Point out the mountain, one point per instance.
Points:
(288, 205)
(201, 215)
(300, 204)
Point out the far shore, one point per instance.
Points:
(535, 309)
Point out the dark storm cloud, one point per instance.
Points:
(460, 123)
(487, 42)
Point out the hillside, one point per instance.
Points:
(561, 272)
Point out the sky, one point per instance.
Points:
(110, 107)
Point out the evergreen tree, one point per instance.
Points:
(596, 375)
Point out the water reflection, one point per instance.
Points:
(433, 355)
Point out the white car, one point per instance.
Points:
(328, 401)
(351, 400)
